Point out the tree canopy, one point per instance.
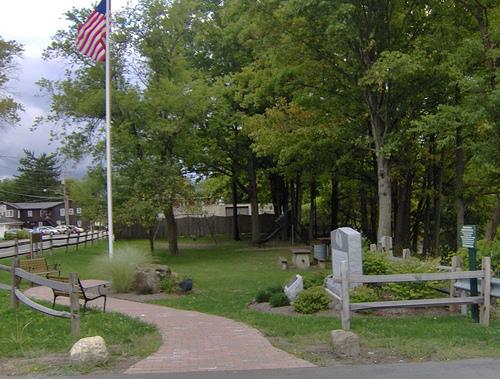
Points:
(380, 115)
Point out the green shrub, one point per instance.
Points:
(363, 294)
(311, 300)
(265, 295)
(484, 249)
(169, 284)
(415, 290)
(279, 299)
(121, 268)
(20, 234)
(375, 263)
(315, 279)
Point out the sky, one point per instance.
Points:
(32, 23)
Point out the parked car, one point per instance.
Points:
(46, 230)
(75, 229)
(62, 229)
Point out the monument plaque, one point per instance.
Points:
(346, 246)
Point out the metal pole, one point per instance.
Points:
(473, 284)
(108, 131)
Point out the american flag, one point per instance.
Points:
(91, 39)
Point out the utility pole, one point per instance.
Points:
(66, 203)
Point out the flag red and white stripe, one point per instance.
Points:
(91, 40)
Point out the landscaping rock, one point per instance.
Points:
(147, 279)
(345, 343)
(89, 350)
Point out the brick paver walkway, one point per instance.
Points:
(194, 341)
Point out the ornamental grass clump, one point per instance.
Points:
(120, 270)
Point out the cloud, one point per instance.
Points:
(32, 23)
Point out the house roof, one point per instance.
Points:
(42, 205)
(10, 220)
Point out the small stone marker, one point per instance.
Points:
(346, 246)
(283, 262)
(89, 350)
(373, 247)
(345, 343)
(386, 245)
(406, 253)
(294, 287)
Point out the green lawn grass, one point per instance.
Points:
(228, 275)
(27, 334)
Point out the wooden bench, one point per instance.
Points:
(84, 293)
(39, 266)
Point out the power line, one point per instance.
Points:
(33, 196)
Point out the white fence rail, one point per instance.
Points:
(9, 249)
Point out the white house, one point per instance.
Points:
(7, 223)
(220, 209)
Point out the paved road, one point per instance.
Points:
(466, 369)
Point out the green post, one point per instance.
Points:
(469, 237)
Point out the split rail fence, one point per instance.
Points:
(16, 247)
(483, 299)
(71, 288)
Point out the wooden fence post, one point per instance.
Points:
(484, 315)
(91, 235)
(74, 304)
(86, 238)
(344, 293)
(455, 266)
(16, 246)
(51, 246)
(15, 284)
(77, 240)
(67, 240)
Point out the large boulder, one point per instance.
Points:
(345, 343)
(89, 350)
(147, 279)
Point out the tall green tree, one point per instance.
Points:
(9, 108)
(39, 177)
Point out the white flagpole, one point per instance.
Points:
(111, 236)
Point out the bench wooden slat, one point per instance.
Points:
(85, 294)
(42, 281)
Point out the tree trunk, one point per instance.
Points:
(312, 211)
(363, 205)
(151, 237)
(254, 203)
(459, 186)
(492, 227)
(171, 231)
(334, 202)
(373, 215)
(298, 199)
(234, 198)
(437, 209)
(384, 196)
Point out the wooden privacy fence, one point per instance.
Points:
(8, 250)
(346, 280)
(18, 296)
